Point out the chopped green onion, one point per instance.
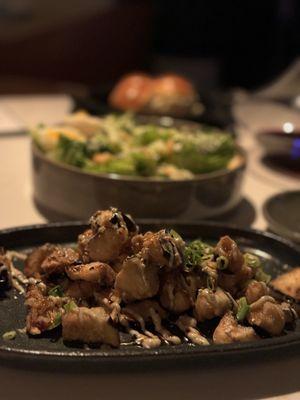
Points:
(56, 322)
(222, 262)
(175, 234)
(9, 335)
(254, 262)
(261, 276)
(207, 257)
(71, 306)
(196, 252)
(251, 260)
(56, 291)
(243, 309)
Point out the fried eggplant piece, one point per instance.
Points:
(111, 231)
(268, 315)
(35, 259)
(210, 304)
(60, 258)
(136, 280)
(229, 331)
(160, 248)
(178, 291)
(255, 290)
(89, 325)
(96, 272)
(288, 283)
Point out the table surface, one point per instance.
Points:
(17, 112)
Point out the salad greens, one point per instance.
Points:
(118, 144)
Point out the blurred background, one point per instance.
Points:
(44, 43)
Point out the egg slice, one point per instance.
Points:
(48, 137)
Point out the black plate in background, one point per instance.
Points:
(282, 211)
(217, 106)
(277, 254)
(282, 147)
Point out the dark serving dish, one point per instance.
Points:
(283, 144)
(280, 221)
(64, 192)
(46, 352)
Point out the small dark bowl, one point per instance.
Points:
(277, 143)
(282, 211)
(65, 192)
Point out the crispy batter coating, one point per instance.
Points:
(42, 310)
(93, 272)
(110, 233)
(288, 283)
(89, 325)
(255, 290)
(229, 331)
(58, 260)
(210, 304)
(178, 292)
(267, 314)
(159, 248)
(136, 280)
(35, 259)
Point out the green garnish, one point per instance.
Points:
(196, 252)
(175, 234)
(100, 143)
(254, 262)
(56, 322)
(222, 262)
(9, 335)
(144, 164)
(204, 152)
(71, 306)
(139, 149)
(261, 276)
(251, 260)
(243, 309)
(71, 151)
(56, 291)
(151, 134)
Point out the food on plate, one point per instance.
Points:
(165, 94)
(120, 145)
(288, 283)
(152, 287)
